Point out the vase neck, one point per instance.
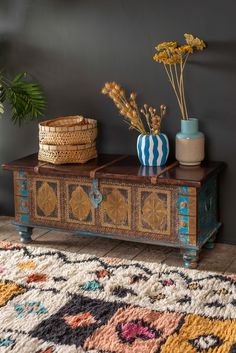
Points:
(189, 126)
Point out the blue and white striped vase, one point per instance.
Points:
(153, 150)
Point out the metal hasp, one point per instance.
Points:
(94, 194)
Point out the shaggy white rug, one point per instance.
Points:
(58, 302)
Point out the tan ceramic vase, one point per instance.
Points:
(190, 143)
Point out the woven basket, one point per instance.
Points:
(71, 130)
(67, 154)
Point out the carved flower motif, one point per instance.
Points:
(46, 199)
(116, 207)
(80, 204)
(155, 212)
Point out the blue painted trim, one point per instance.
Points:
(183, 224)
(183, 203)
(22, 174)
(183, 211)
(183, 230)
(22, 208)
(23, 185)
(183, 190)
(25, 218)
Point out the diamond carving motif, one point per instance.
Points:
(46, 199)
(154, 212)
(80, 204)
(116, 207)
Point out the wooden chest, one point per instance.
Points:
(113, 196)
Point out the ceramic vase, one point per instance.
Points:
(153, 150)
(190, 143)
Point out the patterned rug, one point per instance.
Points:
(59, 302)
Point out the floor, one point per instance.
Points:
(221, 259)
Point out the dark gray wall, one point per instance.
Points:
(72, 47)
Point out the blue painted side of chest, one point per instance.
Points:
(207, 209)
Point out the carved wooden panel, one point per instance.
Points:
(78, 208)
(46, 199)
(154, 210)
(115, 209)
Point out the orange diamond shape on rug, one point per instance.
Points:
(37, 277)
(27, 265)
(8, 290)
(82, 319)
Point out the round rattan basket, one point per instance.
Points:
(67, 154)
(70, 130)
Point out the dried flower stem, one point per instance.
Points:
(128, 108)
(171, 54)
(174, 88)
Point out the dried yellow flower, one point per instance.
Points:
(184, 49)
(194, 42)
(169, 54)
(166, 45)
(133, 96)
(161, 57)
(174, 59)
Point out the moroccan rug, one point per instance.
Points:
(58, 302)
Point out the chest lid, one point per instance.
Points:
(122, 167)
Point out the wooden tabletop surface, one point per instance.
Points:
(122, 168)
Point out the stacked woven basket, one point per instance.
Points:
(69, 139)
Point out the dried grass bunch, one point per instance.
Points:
(128, 108)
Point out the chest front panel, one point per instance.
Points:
(141, 211)
(130, 209)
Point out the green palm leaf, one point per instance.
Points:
(26, 98)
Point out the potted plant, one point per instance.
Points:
(190, 143)
(26, 98)
(152, 145)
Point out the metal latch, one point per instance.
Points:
(94, 194)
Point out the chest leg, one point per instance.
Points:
(25, 233)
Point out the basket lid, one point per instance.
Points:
(67, 123)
